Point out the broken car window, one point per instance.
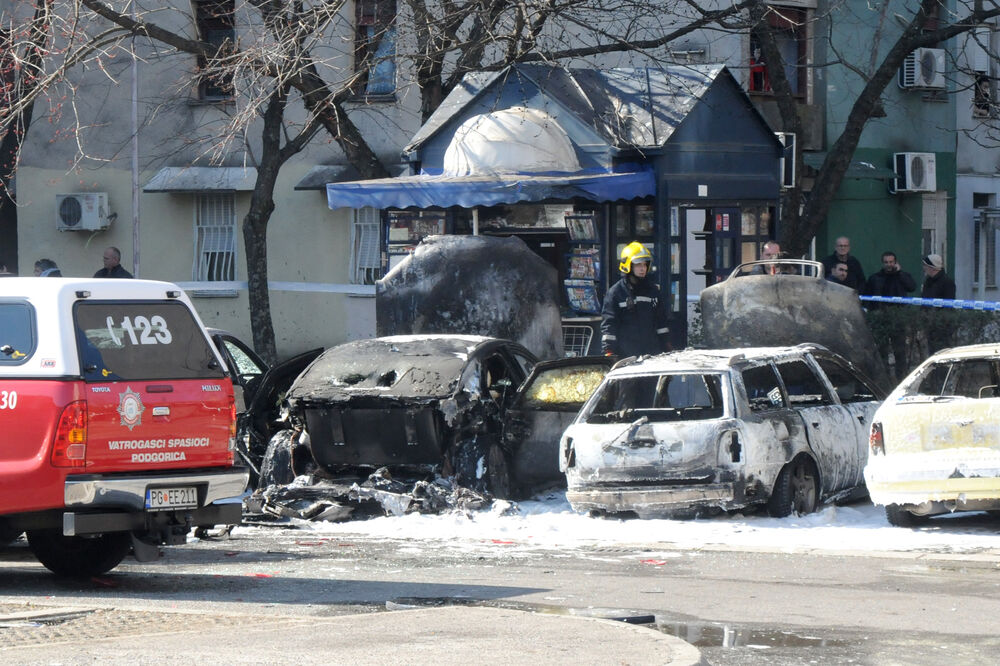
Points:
(667, 397)
(849, 387)
(763, 391)
(565, 389)
(802, 384)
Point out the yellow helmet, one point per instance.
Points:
(634, 252)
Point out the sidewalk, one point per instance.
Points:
(447, 635)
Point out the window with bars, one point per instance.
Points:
(215, 20)
(366, 266)
(375, 47)
(215, 239)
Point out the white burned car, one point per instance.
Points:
(935, 442)
(697, 430)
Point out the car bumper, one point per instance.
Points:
(98, 504)
(905, 483)
(129, 492)
(653, 501)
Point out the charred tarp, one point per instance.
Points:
(791, 309)
(475, 285)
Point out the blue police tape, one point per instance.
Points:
(958, 304)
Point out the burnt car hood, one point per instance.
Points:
(421, 368)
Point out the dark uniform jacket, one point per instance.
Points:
(634, 319)
(855, 274)
(938, 286)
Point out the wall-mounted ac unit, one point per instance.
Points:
(915, 172)
(786, 167)
(923, 69)
(83, 211)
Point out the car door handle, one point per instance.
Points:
(815, 424)
(861, 419)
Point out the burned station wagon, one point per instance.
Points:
(702, 430)
(935, 442)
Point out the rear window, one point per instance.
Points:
(976, 378)
(142, 340)
(17, 332)
(666, 397)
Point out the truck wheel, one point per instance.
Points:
(77, 556)
(795, 491)
(900, 517)
(276, 468)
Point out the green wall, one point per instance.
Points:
(875, 220)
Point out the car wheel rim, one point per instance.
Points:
(803, 489)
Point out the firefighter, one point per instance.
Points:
(634, 317)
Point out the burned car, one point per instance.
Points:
(417, 407)
(935, 442)
(702, 430)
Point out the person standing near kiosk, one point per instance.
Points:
(634, 316)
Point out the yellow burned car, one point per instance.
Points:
(935, 441)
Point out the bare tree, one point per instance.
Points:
(20, 73)
(799, 228)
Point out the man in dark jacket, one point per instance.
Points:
(937, 284)
(842, 254)
(112, 265)
(634, 317)
(892, 280)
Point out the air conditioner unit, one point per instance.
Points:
(786, 167)
(915, 172)
(84, 211)
(923, 69)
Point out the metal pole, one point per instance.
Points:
(135, 154)
(475, 221)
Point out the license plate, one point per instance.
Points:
(161, 499)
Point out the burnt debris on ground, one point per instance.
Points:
(312, 499)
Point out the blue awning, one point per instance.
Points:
(426, 191)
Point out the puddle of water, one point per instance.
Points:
(699, 634)
(705, 634)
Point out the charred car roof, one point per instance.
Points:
(711, 359)
(423, 366)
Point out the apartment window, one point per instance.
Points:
(215, 239)
(216, 24)
(365, 255)
(978, 48)
(789, 28)
(375, 47)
